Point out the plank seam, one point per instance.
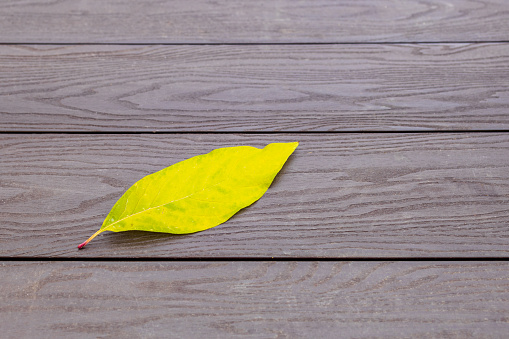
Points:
(260, 132)
(248, 259)
(252, 43)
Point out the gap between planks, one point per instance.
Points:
(253, 132)
(21, 43)
(256, 259)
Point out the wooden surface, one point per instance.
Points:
(353, 237)
(339, 195)
(255, 88)
(245, 21)
(255, 299)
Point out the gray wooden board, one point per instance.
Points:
(254, 299)
(244, 21)
(339, 195)
(254, 88)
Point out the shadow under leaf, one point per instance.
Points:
(142, 238)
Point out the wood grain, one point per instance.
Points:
(246, 21)
(254, 88)
(338, 196)
(254, 299)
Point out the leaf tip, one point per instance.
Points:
(292, 146)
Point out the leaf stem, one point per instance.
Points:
(80, 246)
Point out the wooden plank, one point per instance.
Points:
(339, 196)
(255, 299)
(203, 21)
(254, 88)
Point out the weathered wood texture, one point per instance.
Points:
(254, 299)
(263, 21)
(340, 195)
(254, 88)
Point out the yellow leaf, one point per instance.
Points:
(198, 193)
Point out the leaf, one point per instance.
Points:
(198, 193)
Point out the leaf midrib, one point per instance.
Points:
(169, 202)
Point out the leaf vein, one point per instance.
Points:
(169, 202)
